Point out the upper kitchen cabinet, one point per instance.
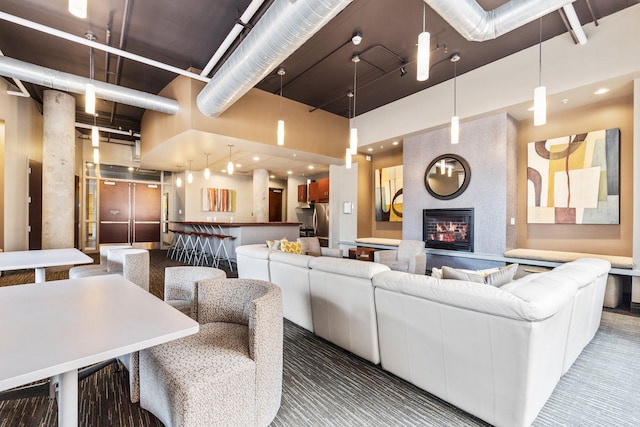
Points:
(302, 193)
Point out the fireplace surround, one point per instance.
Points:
(450, 229)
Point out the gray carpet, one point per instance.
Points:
(324, 385)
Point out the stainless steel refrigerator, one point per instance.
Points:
(321, 223)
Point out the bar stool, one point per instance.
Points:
(222, 238)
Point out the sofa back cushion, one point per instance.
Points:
(347, 267)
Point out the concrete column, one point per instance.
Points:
(261, 195)
(58, 160)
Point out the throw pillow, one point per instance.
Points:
(436, 273)
(497, 278)
(291, 247)
(310, 246)
(275, 244)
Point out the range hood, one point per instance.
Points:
(304, 205)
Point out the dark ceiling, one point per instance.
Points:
(319, 74)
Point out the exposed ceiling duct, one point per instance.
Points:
(284, 27)
(47, 77)
(476, 24)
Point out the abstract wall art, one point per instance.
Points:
(388, 194)
(574, 179)
(218, 200)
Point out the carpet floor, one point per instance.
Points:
(323, 385)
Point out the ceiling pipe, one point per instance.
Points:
(233, 34)
(475, 24)
(23, 90)
(80, 40)
(283, 28)
(47, 77)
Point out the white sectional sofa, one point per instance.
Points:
(332, 297)
(496, 353)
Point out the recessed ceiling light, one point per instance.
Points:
(310, 167)
(530, 108)
(369, 149)
(223, 170)
(256, 158)
(395, 143)
(382, 147)
(130, 168)
(238, 165)
(289, 172)
(565, 100)
(601, 91)
(272, 176)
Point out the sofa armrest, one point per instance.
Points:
(385, 255)
(332, 252)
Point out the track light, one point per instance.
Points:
(356, 38)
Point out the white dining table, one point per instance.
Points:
(41, 259)
(54, 328)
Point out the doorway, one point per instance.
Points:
(129, 213)
(275, 204)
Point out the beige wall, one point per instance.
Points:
(251, 118)
(603, 239)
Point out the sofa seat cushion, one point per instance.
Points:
(87, 271)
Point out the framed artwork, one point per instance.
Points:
(218, 200)
(574, 179)
(388, 194)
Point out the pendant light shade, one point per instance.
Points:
(179, 182)
(353, 140)
(424, 52)
(78, 8)
(424, 49)
(95, 136)
(280, 132)
(90, 99)
(540, 106)
(207, 172)
(230, 164)
(96, 156)
(280, 137)
(455, 130)
(190, 174)
(347, 158)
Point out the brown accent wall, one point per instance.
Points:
(365, 196)
(390, 230)
(600, 239)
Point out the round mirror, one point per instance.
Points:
(447, 176)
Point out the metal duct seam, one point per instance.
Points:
(284, 27)
(47, 77)
(476, 24)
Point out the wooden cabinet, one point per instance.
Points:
(302, 193)
(323, 190)
(313, 192)
(319, 190)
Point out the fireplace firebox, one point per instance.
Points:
(450, 229)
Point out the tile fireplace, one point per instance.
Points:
(450, 229)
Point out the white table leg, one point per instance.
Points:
(68, 399)
(40, 275)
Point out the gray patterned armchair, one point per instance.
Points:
(230, 372)
(181, 286)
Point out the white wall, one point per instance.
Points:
(343, 188)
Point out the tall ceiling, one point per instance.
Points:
(319, 74)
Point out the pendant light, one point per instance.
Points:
(178, 178)
(95, 135)
(455, 121)
(424, 49)
(78, 8)
(90, 89)
(540, 93)
(353, 132)
(347, 158)
(189, 173)
(207, 172)
(281, 122)
(230, 164)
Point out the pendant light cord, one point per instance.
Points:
(424, 17)
(540, 56)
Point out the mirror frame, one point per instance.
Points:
(460, 190)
